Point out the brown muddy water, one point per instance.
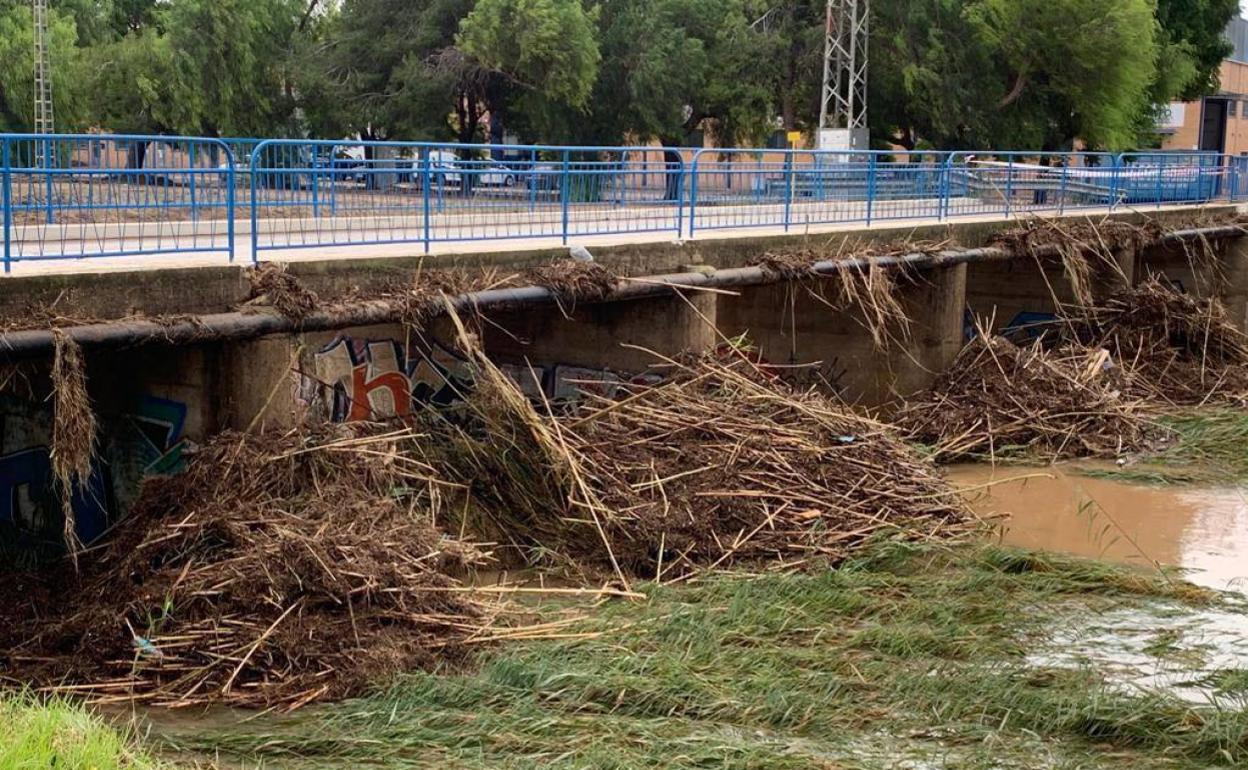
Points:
(1203, 530)
(1157, 646)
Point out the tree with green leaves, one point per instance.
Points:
(672, 66)
(1194, 31)
(17, 68)
(1066, 69)
(232, 63)
(134, 88)
(202, 67)
(544, 46)
(389, 69)
(1018, 74)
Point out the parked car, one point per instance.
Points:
(443, 168)
(495, 175)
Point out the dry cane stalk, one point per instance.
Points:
(73, 430)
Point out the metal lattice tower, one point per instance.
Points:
(846, 33)
(45, 121)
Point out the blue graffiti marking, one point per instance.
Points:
(28, 498)
(160, 423)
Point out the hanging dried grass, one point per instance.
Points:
(73, 429)
(874, 293)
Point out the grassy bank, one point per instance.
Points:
(908, 655)
(38, 733)
(1204, 446)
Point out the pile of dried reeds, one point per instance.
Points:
(721, 465)
(718, 465)
(999, 399)
(274, 572)
(1171, 347)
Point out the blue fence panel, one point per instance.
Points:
(1237, 166)
(740, 188)
(89, 195)
(324, 194)
(1017, 183)
(908, 185)
(1160, 178)
(790, 189)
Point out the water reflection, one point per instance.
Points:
(1204, 530)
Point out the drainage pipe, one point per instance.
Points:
(248, 325)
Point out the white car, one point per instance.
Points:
(494, 175)
(443, 168)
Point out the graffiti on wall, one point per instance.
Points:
(146, 441)
(29, 500)
(359, 379)
(160, 424)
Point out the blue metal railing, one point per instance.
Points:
(88, 195)
(303, 194)
(80, 196)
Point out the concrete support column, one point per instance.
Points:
(1121, 274)
(611, 336)
(1235, 288)
(793, 324)
(936, 305)
(257, 388)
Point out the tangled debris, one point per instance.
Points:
(73, 429)
(721, 466)
(273, 572)
(272, 284)
(999, 399)
(1084, 249)
(1172, 347)
(1103, 237)
(717, 465)
(421, 298)
(573, 281)
(788, 265)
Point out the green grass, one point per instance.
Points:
(909, 651)
(1207, 446)
(38, 733)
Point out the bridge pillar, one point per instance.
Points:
(792, 325)
(1235, 287)
(257, 390)
(1110, 279)
(611, 341)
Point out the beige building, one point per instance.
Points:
(1217, 123)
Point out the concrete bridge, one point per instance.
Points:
(175, 354)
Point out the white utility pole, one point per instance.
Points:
(45, 121)
(843, 108)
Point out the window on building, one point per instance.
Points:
(1230, 108)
